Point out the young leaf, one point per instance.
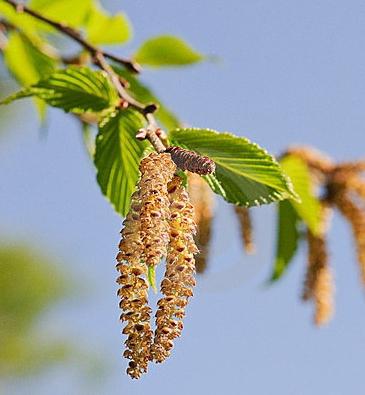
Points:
(309, 207)
(245, 173)
(117, 157)
(71, 12)
(102, 28)
(166, 51)
(287, 238)
(25, 61)
(143, 94)
(26, 23)
(75, 89)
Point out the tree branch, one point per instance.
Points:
(99, 57)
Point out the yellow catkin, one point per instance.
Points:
(179, 276)
(133, 293)
(244, 219)
(356, 217)
(156, 171)
(323, 292)
(318, 284)
(356, 184)
(202, 199)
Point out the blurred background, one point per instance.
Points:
(287, 72)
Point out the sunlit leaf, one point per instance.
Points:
(245, 173)
(102, 28)
(166, 51)
(287, 238)
(70, 12)
(308, 208)
(26, 62)
(117, 157)
(75, 89)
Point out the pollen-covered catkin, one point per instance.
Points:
(356, 184)
(156, 171)
(180, 269)
(245, 222)
(356, 218)
(318, 284)
(323, 295)
(202, 199)
(133, 293)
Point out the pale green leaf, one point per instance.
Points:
(70, 12)
(145, 95)
(309, 207)
(22, 21)
(245, 173)
(25, 61)
(287, 238)
(102, 28)
(166, 51)
(117, 157)
(75, 89)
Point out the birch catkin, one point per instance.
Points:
(356, 217)
(319, 285)
(245, 222)
(156, 171)
(179, 276)
(133, 293)
(203, 201)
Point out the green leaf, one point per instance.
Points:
(102, 28)
(22, 21)
(287, 238)
(117, 157)
(245, 173)
(166, 51)
(145, 95)
(68, 12)
(26, 62)
(75, 89)
(309, 207)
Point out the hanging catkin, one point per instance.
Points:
(356, 218)
(318, 284)
(156, 171)
(179, 276)
(133, 293)
(356, 184)
(245, 222)
(202, 199)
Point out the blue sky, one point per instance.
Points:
(289, 72)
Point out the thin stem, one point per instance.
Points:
(99, 58)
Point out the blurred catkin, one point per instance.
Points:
(180, 269)
(156, 171)
(356, 184)
(318, 284)
(356, 217)
(133, 293)
(245, 222)
(202, 199)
